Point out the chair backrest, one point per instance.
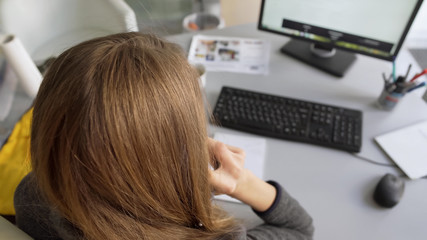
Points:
(10, 231)
(48, 27)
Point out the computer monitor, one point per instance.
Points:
(328, 33)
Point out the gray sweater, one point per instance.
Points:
(285, 219)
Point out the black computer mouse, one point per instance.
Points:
(389, 190)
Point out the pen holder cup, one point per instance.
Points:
(388, 100)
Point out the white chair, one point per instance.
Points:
(48, 27)
(10, 231)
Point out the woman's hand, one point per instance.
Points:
(228, 163)
(230, 177)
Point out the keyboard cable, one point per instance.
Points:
(372, 161)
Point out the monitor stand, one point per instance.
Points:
(336, 62)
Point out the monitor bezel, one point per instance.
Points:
(389, 58)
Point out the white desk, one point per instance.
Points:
(334, 186)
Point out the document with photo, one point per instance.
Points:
(242, 55)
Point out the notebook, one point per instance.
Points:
(254, 148)
(407, 147)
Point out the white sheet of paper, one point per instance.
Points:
(407, 147)
(254, 148)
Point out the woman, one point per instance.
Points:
(119, 150)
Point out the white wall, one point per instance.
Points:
(237, 12)
(163, 17)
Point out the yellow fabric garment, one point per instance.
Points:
(14, 162)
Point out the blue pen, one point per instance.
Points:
(418, 86)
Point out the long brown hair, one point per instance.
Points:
(119, 142)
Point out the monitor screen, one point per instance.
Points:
(371, 27)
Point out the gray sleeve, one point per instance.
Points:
(32, 214)
(285, 219)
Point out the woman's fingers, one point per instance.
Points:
(235, 150)
(225, 177)
(221, 152)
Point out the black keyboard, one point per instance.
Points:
(289, 118)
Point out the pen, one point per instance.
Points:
(385, 79)
(407, 72)
(419, 75)
(409, 85)
(418, 86)
(394, 71)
